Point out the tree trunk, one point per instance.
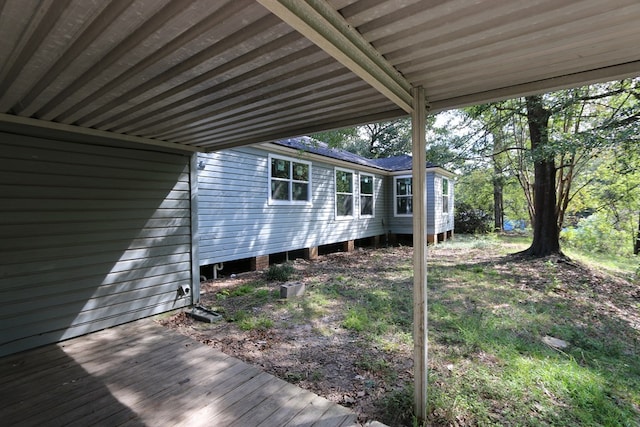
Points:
(636, 247)
(546, 239)
(498, 204)
(498, 180)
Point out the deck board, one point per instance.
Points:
(142, 374)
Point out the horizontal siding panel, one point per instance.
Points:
(101, 215)
(85, 281)
(40, 191)
(288, 241)
(213, 178)
(91, 236)
(57, 151)
(62, 168)
(133, 227)
(69, 239)
(65, 321)
(66, 332)
(73, 182)
(126, 260)
(52, 205)
(277, 228)
(137, 248)
(56, 304)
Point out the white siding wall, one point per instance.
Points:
(236, 221)
(90, 237)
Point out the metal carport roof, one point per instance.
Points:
(211, 74)
(214, 74)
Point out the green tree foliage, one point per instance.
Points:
(586, 138)
(373, 140)
(338, 138)
(560, 139)
(605, 216)
(388, 139)
(474, 189)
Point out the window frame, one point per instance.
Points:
(336, 193)
(395, 196)
(372, 195)
(445, 195)
(290, 180)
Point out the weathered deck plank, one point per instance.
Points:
(142, 374)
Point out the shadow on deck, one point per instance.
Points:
(143, 374)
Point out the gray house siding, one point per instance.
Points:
(437, 221)
(236, 220)
(443, 220)
(90, 237)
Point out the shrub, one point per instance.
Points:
(596, 233)
(280, 272)
(470, 220)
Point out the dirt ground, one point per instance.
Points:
(315, 351)
(319, 355)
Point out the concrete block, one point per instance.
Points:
(290, 290)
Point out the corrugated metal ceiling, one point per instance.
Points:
(214, 74)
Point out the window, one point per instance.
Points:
(403, 193)
(445, 195)
(344, 193)
(289, 180)
(366, 195)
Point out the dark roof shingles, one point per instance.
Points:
(391, 164)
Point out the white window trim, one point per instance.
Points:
(373, 195)
(445, 196)
(353, 193)
(395, 196)
(292, 160)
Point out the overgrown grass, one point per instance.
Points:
(625, 265)
(488, 315)
(492, 367)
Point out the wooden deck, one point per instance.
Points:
(141, 374)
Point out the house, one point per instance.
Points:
(299, 194)
(103, 105)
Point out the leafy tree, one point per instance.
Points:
(613, 196)
(494, 136)
(338, 137)
(545, 221)
(373, 140)
(549, 144)
(551, 140)
(475, 190)
(384, 139)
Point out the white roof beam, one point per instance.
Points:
(324, 26)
